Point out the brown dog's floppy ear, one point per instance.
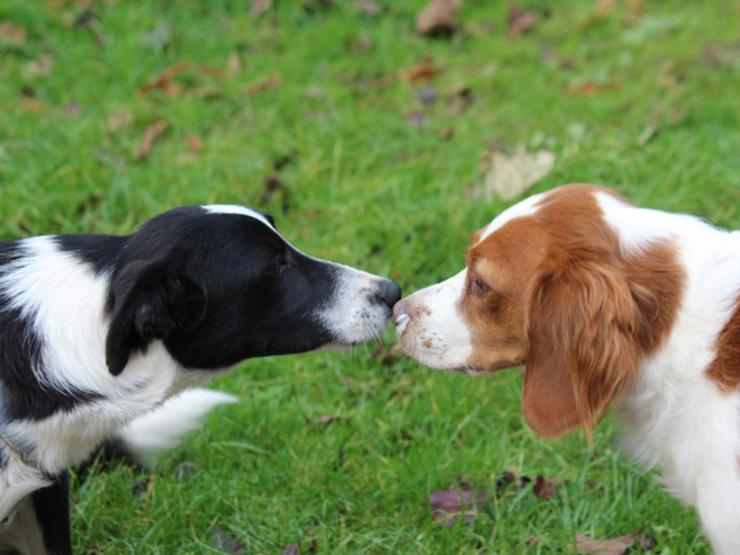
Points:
(148, 301)
(582, 327)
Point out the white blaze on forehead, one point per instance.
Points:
(236, 209)
(527, 207)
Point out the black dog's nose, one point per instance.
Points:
(388, 292)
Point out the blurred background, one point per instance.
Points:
(380, 134)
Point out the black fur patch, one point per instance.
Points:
(99, 251)
(52, 512)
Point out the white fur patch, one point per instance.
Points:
(149, 435)
(236, 209)
(527, 207)
(352, 315)
(17, 480)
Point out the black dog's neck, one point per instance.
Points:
(102, 252)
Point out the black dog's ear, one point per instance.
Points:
(149, 301)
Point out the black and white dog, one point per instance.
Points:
(97, 332)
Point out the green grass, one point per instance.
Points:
(367, 188)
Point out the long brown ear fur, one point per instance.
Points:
(583, 322)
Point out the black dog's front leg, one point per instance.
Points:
(52, 513)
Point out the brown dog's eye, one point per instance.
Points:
(478, 286)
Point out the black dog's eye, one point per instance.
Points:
(478, 286)
(283, 265)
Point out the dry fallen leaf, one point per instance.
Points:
(165, 80)
(438, 17)
(416, 119)
(450, 505)
(234, 65)
(544, 488)
(419, 73)
(32, 104)
(12, 34)
(604, 7)
(40, 67)
(72, 109)
(459, 101)
(601, 10)
(722, 55)
(588, 88)
(227, 543)
(259, 7)
(368, 7)
(291, 549)
(520, 20)
(274, 81)
(511, 175)
(194, 143)
(119, 120)
(324, 420)
(152, 133)
(612, 546)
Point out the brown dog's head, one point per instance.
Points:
(549, 284)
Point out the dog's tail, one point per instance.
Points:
(147, 437)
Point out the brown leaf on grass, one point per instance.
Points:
(612, 546)
(521, 21)
(601, 10)
(291, 549)
(452, 504)
(510, 175)
(194, 143)
(152, 133)
(258, 7)
(722, 55)
(72, 109)
(438, 17)
(459, 101)
(226, 542)
(368, 7)
(544, 488)
(41, 67)
(420, 73)
(12, 34)
(274, 81)
(31, 104)
(360, 43)
(165, 80)
(588, 88)
(119, 120)
(234, 65)
(324, 420)
(416, 119)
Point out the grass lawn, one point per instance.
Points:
(307, 112)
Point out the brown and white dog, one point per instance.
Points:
(605, 303)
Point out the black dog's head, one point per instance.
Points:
(219, 284)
